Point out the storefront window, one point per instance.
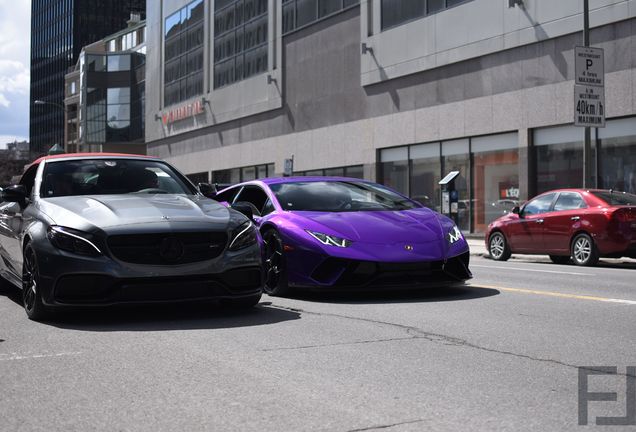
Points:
(237, 175)
(455, 157)
(226, 177)
(618, 155)
(558, 154)
(334, 172)
(197, 178)
(425, 175)
(496, 176)
(395, 169)
(355, 171)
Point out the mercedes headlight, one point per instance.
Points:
(454, 235)
(71, 240)
(243, 236)
(329, 240)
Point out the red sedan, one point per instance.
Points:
(568, 224)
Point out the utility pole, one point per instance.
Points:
(587, 147)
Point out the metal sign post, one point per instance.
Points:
(589, 94)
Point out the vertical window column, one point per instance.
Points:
(183, 52)
(240, 40)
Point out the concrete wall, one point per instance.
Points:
(329, 119)
(473, 29)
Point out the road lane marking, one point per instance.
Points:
(532, 270)
(16, 356)
(558, 294)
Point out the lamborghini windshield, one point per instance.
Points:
(338, 196)
(111, 176)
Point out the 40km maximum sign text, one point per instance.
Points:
(589, 106)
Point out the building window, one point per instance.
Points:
(240, 40)
(558, 155)
(398, 12)
(618, 155)
(488, 181)
(353, 171)
(183, 45)
(299, 13)
(198, 178)
(456, 157)
(394, 167)
(496, 177)
(425, 174)
(238, 175)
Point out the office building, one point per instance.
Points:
(105, 94)
(59, 30)
(396, 91)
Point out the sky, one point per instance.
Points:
(15, 46)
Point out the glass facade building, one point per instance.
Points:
(112, 98)
(59, 30)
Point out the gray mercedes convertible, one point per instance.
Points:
(106, 229)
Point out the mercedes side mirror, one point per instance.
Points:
(517, 210)
(245, 209)
(15, 193)
(207, 190)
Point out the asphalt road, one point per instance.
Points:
(500, 354)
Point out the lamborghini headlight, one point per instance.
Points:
(330, 240)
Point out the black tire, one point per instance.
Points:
(243, 303)
(583, 251)
(559, 259)
(498, 247)
(31, 295)
(275, 265)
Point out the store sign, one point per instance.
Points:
(589, 106)
(507, 191)
(183, 112)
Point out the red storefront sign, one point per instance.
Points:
(183, 112)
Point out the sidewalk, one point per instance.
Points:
(478, 248)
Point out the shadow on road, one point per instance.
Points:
(11, 292)
(430, 295)
(170, 317)
(174, 316)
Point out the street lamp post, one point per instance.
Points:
(57, 148)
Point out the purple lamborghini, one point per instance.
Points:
(339, 233)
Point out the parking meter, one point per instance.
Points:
(450, 196)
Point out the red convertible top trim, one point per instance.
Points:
(88, 155)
